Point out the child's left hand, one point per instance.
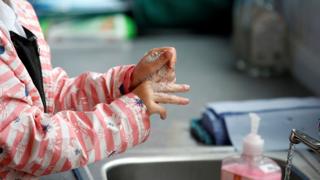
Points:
(146, 68)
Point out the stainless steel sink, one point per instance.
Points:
(172, 168)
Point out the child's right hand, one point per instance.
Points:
(152, 99)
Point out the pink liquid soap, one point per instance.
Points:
(251, 164)
(245, 172)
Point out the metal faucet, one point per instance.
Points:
(297, 136)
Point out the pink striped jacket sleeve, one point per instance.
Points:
(88, 118)
(89, 89)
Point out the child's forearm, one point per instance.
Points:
(88, 89)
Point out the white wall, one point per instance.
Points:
(303, 19)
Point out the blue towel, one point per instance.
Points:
(199, 133)
(229, 121)
(215, 125)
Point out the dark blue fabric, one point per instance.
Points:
(216, 126)
(199, 133)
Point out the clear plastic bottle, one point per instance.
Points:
(259, 38)
(251, 164)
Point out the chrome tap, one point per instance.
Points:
(298, 136)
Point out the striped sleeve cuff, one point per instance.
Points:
(134, 118)
(127, 79)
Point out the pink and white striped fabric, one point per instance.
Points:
(87, 118)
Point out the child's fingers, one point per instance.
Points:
(172, 62)
(151, 69)
(160, 49)
(158, 64)
(170, 99)
(156, 108)
(170, 76)
(153, 108)
(170, 88)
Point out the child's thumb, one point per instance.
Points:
(156, 108)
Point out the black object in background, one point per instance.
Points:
(214, 16)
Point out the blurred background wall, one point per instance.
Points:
(302, 18)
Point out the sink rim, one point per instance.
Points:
(153, 159)
(164, 158)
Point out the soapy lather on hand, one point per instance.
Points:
(163, 80)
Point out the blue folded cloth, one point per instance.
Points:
(199, 133)
(215, 125)
(229, 122)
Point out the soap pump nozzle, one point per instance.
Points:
(253, 143)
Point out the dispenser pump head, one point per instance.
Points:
(255, 122)
(253, 143)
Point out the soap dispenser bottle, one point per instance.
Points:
(251, 164)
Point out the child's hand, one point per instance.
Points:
(162, 89)
(146, 67)
(151, 98)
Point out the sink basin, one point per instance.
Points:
(172, 168)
